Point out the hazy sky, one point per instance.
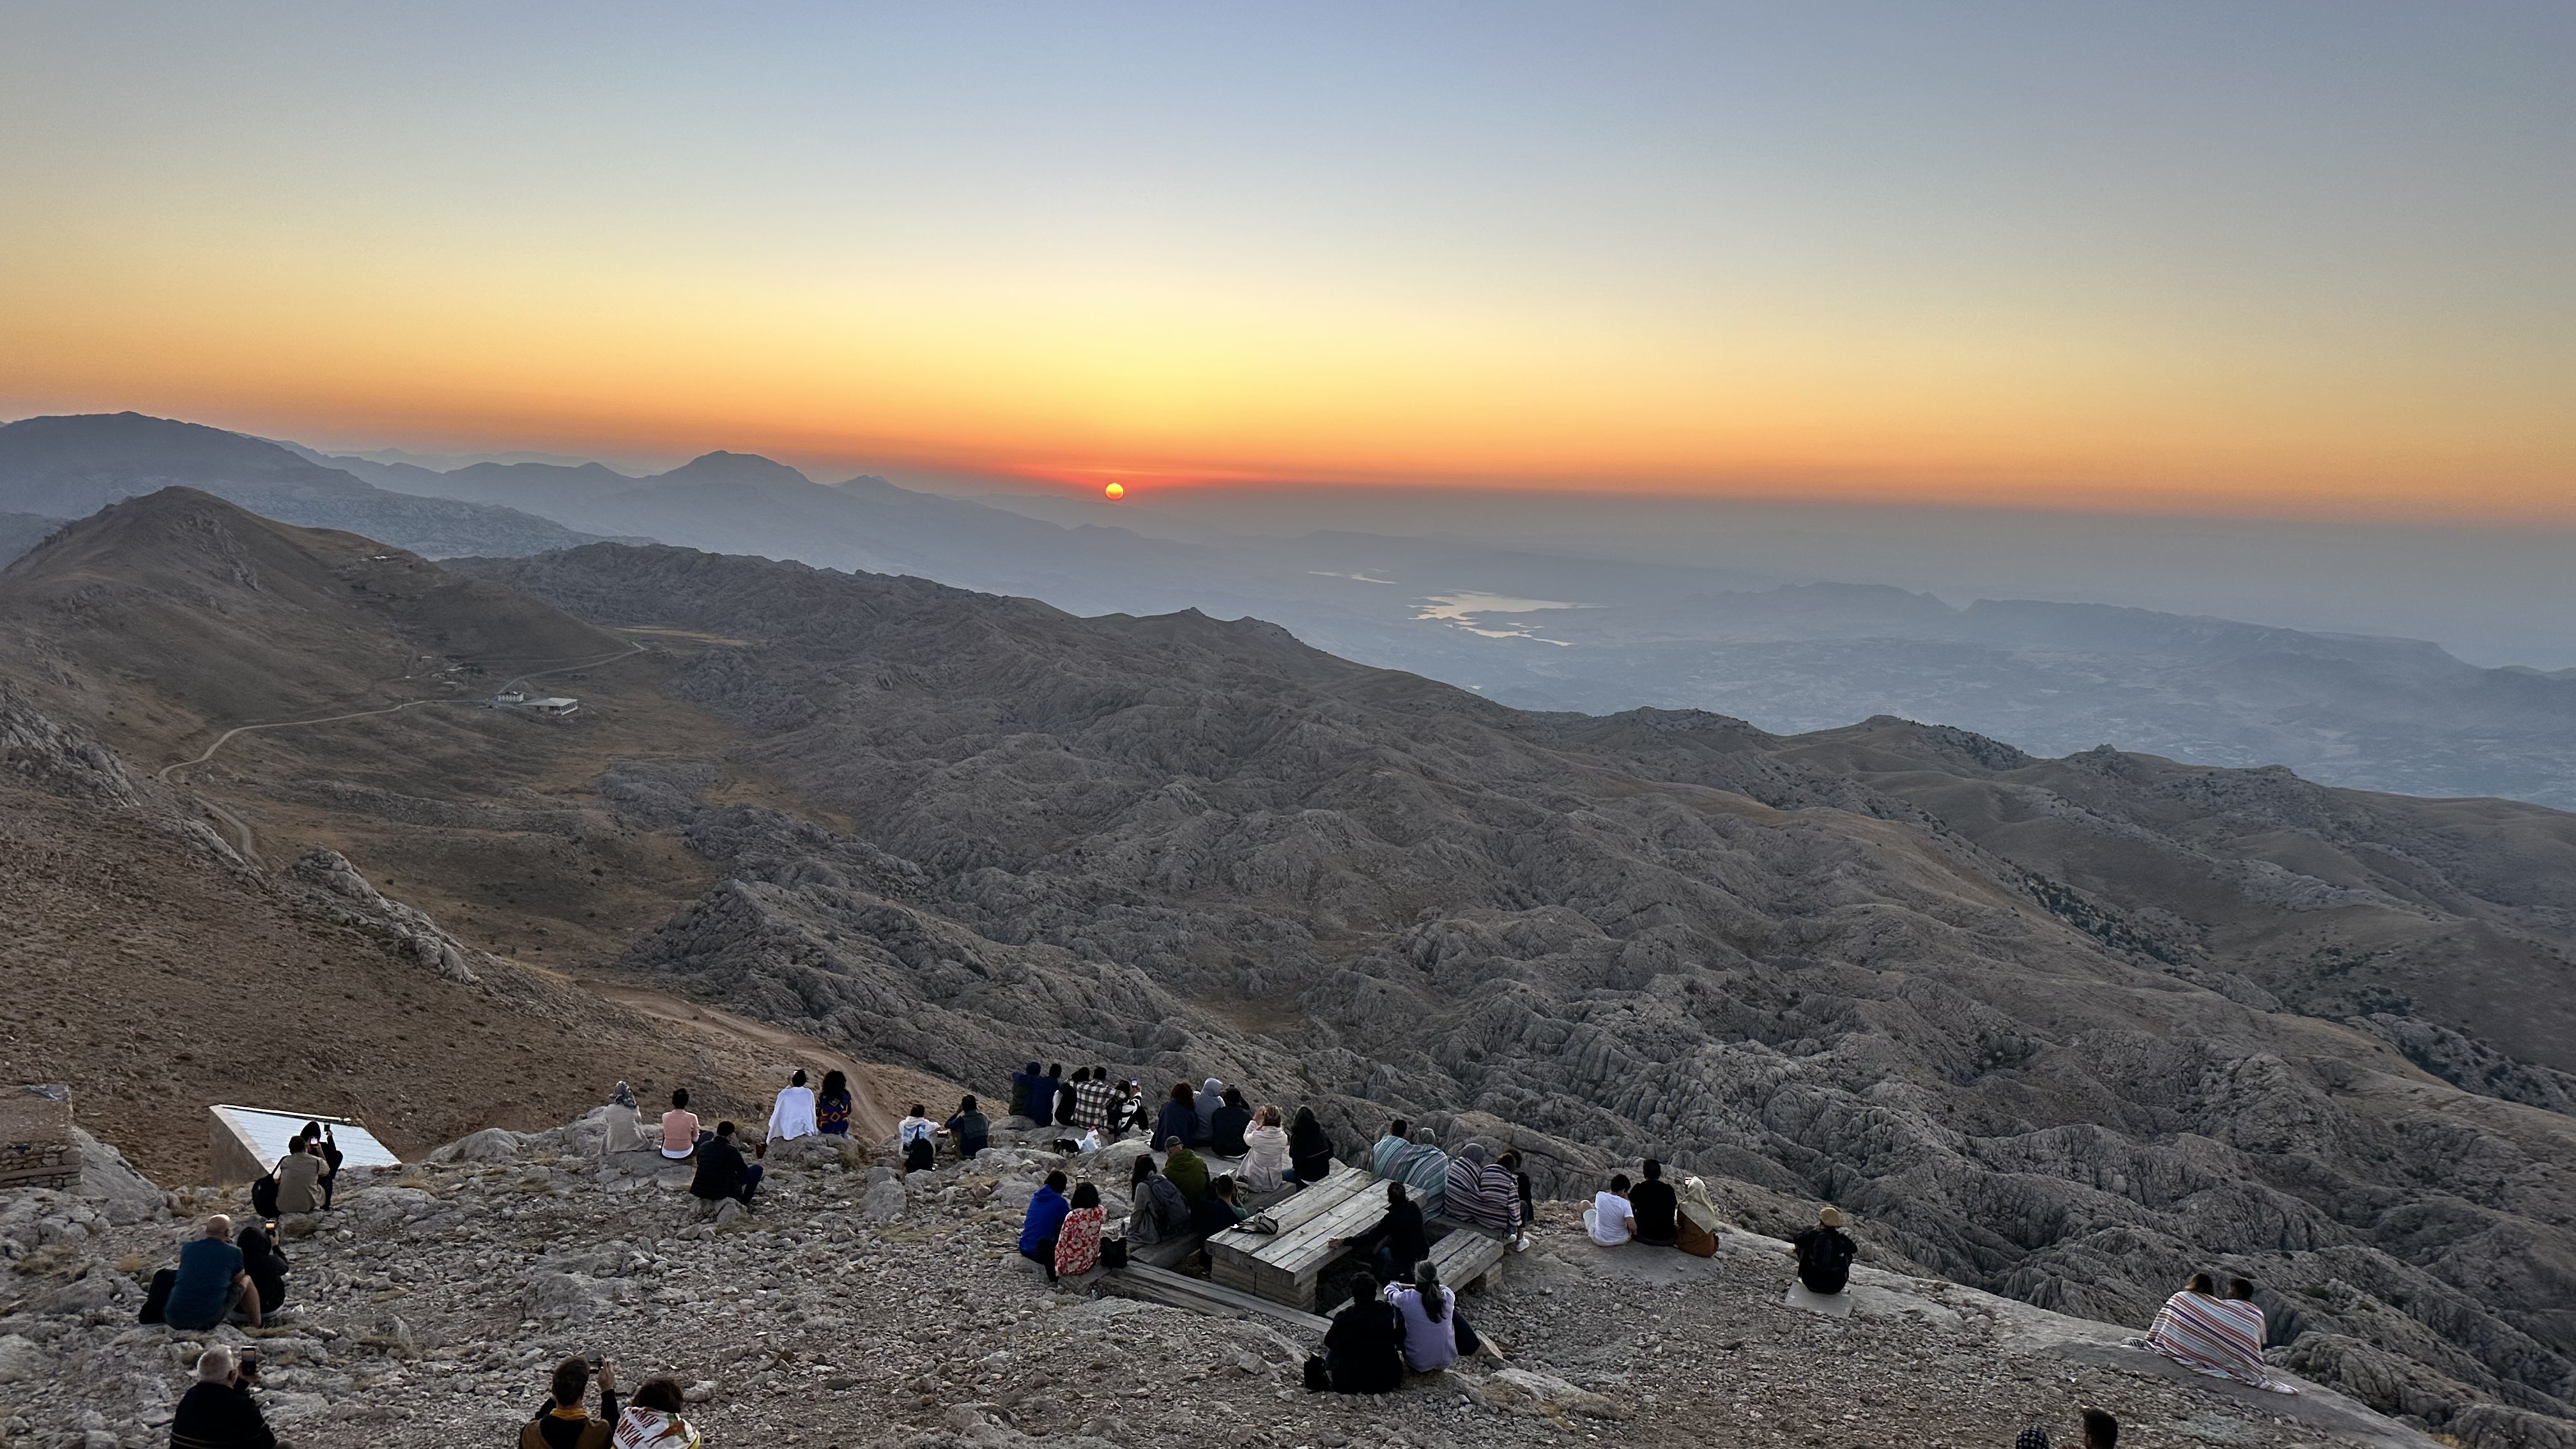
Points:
(2302, 259)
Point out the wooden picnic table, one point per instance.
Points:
(1283, 1266)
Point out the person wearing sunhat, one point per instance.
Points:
(1824, 1254)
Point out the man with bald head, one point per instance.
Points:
(211, 1285)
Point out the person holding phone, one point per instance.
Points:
(217, 1412)
(562, 1422)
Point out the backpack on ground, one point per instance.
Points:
(263, 1196)
(1319, 1377)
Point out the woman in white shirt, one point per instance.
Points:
(1265, 1155)
(1610, 1219)
(793, 1114)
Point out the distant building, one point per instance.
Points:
(555, 706)
(36, 1137)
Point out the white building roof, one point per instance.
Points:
(266, 1133)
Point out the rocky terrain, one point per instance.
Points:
(2061, 1029)
(859, 1307)
(2056, 1030)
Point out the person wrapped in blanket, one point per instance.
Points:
(2221, 1337)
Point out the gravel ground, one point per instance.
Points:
(857, 1308)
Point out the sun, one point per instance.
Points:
(1114, 492)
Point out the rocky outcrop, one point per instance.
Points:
(332, 885)
(54, 758)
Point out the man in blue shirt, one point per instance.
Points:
(1047, 1207)
(211, 1285)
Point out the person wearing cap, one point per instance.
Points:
(1824, 1253)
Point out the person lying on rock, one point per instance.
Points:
(1364, 1349)
(652, 1419)
(1482, 1194)
(1226, 1128)
(1218, 1211)
(792, 1115)
(1077, 1241)
(680, 1134)
(1188, 1171)
(1398, 1237)
(914, 1135)
(972, 1129)
(1161, 1213)
(1178, 1122)
(561, 1421)
(1045, 1223)
(1610, 1220)
(1310, 1149)
(1655, 1205)
(1824, 1254)
(832, 1106)
(1435, 1333)
(218, 1412)
(1382, 1156)
(210, 1285)
(1266, 1166)
(722, 1172)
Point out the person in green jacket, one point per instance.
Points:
(1188, 1172)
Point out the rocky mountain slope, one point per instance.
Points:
(70, 467)
(1888, 969)
(859, 1307)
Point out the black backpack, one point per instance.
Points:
(263, 1195)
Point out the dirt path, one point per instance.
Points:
(869, 1083)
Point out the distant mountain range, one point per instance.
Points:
(1532, 629)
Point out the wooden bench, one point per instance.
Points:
(1179, 1290)
(1282, 1267)
(1465, 1255)
(1173, 1252)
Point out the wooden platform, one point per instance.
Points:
(1161, 1285)
(1465, 1255)
(1282, 1267)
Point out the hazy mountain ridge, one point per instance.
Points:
(2031, 1015)
(70, 467)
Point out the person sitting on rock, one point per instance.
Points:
(1024, 1087)
(1396, 1238)
(652, 1419)
(1077, 1241)
(1217, 1211)
(1424, 1169)
(1824, 1253)
(792, 1115)
(722, 1172)
(1178, 1122)
(562, 1422)
(1045, 1223)
(914, 1135)
(623, 1130)
(1209, 1097)
(680, 1133)
(1364, 1349)
(1511, 1162)
(1610, 1220)
(1310, 1148)
(2220, 1337)
(1265, 1153)
(1481, 1194)
(218, 1412)
(266, 1267)
(299, 1177)
(1226, 1128)
(1696, 1223)
(832, 1105)
(1060, 1110)
(1655, 1206)
(210, 1286)
(1128, 1113)
(973, 1131)
(1187, 1171)
(1093, 1094)
(1160, 1213)
(1382, 1156)
(1435, 1333)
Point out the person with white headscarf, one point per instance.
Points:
(792, 1115)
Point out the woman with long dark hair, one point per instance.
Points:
(1309, 1150)
(1077, 1243)
(832, 1105)
(1161, 1212)
(1178, 1123)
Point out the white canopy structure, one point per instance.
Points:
(247, 1141)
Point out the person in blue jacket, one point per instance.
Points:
(1047, 1207)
